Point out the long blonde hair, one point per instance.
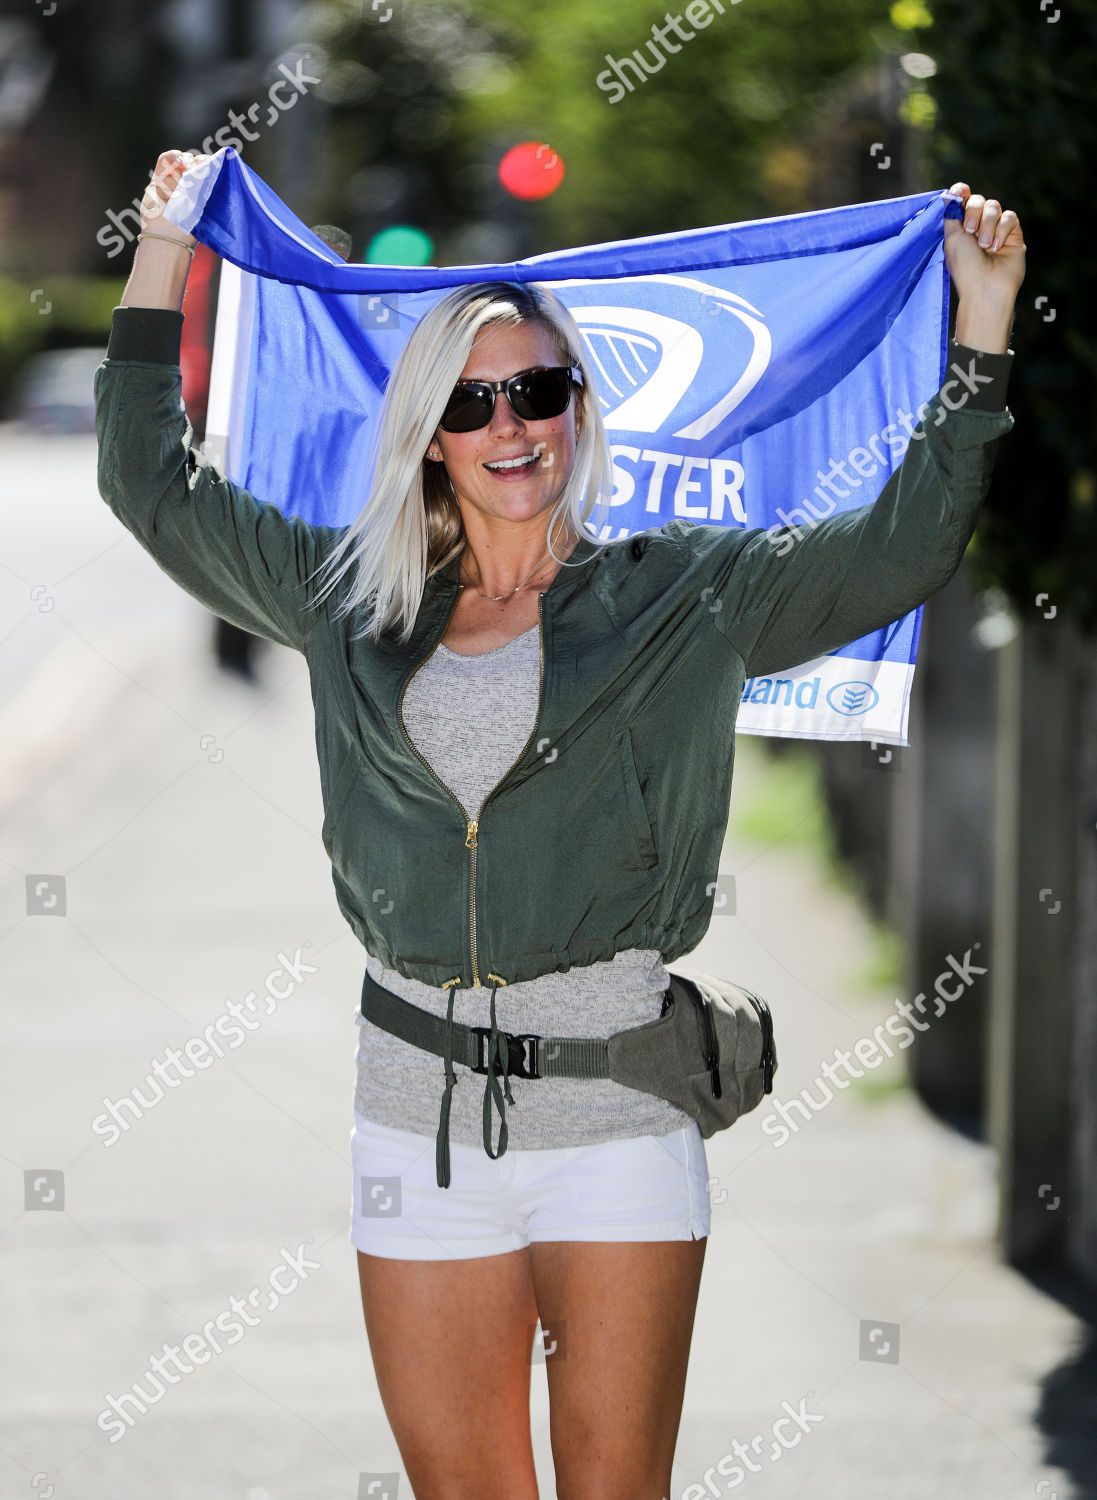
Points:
(410, 525)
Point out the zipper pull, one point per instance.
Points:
(710, 1047)
(470, 837)
(717, 1088)
(769, 1058)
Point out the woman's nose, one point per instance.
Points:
(504, 418)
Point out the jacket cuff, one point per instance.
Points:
(151, 335)
(987, 373)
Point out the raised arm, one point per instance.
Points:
(241, 557)
(786, 595)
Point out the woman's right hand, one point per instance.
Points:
(170, 166)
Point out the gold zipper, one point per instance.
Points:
(426, 763)
(471, 841)
(472, 824)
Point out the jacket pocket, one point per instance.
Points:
(336, 800)
(638, 811)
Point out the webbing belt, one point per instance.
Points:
(484, 1049)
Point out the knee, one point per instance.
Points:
(606, 1481)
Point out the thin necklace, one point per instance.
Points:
(496, 598)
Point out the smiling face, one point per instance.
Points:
(517, 494)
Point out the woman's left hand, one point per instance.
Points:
(985, 254)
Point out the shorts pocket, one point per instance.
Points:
(388, 1167)
(643, 1172)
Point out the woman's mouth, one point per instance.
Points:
(509, 468)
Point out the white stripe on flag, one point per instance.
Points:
(229, 369)
(833, 698)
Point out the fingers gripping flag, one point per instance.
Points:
(765, 374)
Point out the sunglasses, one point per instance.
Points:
(535, 395)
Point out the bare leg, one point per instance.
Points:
(615, 1396)
(451, 1342)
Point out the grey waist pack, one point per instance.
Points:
(710, 1052)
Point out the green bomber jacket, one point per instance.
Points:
(606, 832)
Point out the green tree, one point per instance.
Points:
(1015, 119)
(721, 132)
(391, 86)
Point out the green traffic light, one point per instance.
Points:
(400, 245)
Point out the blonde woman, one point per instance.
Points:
(525, 742)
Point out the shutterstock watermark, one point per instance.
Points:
(949, 985)
(787, 1432)
(120, 1413)
(231, 1026)
(282, 95)
(699, 13)
(867, 460)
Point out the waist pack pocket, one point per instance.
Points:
(711, 1053)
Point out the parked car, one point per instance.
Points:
(53, 391)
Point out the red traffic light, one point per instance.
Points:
(531, 170)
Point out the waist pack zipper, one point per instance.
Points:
(472, 825)
(765, 1015)
(712, 1048)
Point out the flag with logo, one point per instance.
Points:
(761, 374)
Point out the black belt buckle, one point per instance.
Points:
(516, 1052)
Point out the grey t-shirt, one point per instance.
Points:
(469, 717)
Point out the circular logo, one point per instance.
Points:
(852, 698)
(654, 372)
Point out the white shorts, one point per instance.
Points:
(648, 1187)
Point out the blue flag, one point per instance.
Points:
(753, 375)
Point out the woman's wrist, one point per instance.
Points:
(984, 322)
(159, 275)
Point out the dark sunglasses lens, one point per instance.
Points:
(541, 394)
(468, 408)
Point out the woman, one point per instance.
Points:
(525, 744)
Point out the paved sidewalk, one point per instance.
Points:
(184, 828)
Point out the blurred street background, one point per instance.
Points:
(917, 1259)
